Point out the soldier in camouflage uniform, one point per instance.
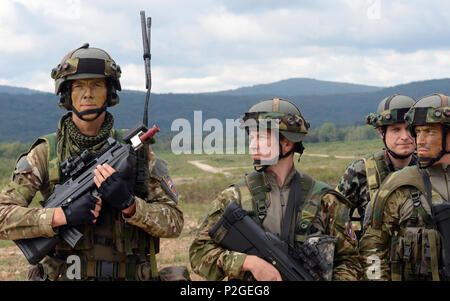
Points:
(401, 241)
(264, 194)
(363, 177)
(123, 227)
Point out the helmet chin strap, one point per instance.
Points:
(80, 115)
(271, 161)
(397, 156)
(392, 153)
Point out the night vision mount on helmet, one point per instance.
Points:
(391, 109)
(84, 63)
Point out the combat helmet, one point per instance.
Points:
(282, 115)
(82, 63)
(431, 109)
(391, 109)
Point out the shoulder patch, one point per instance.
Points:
(171, 185)
(21, 166)
(159, 170)
(160, 173)
(350, 232)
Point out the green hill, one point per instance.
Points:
(300, 86)
(24, 117)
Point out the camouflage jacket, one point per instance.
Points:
(159, 217)
(324, 211)
(399, 242)
(363, 177)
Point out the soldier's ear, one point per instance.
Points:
(381, 133)
(447, 140)
(286, 144)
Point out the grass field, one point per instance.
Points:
(197, 188)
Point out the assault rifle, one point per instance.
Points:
(236, 231)
(79, 173)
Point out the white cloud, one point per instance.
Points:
(206, 45)
(225, 26)
(37, 81)
(380, 68)
(62, 10)
(15, 42)
(133, 77)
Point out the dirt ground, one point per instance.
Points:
(14, 266)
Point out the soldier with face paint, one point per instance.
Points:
(122, 227)
(363, 177)
(401, 239)
(276, 130)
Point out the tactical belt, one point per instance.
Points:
(102, 240)
(110, 270)
(107, 270)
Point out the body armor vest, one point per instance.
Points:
(414, 248)
(254, 193)
(376, 171)
(111, 248)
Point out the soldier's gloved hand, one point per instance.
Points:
(79, 212)
(261, 269)
(115, 192)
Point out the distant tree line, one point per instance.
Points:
(330, 132)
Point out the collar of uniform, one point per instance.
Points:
(440, 179)
(389, 163)
(392, 166)
(272, 178)
(438, 169)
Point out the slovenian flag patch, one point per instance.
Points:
(171, 186)
(350, 233)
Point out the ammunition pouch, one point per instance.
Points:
(53, 268)
(49, 269)
(318, 254)
(414, 254)
(174, 273)
(35, 272)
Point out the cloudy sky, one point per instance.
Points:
(210, 45)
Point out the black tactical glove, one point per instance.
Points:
(115, 192)
(78, 212)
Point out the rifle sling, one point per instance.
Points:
(297, 196)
